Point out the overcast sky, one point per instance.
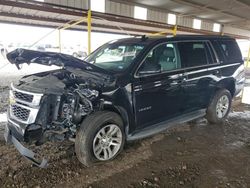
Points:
(10, 33)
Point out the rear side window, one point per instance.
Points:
(211, 56)
(194, 54)
(230, 51)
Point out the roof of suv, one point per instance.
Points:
(150, 39)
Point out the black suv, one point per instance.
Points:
(125, 90)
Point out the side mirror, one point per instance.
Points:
(150, 68)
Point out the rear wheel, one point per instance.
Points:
(100, 138)
(219, 106)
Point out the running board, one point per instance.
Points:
(159, 127)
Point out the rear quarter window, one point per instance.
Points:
(229, 51)
(194, 54)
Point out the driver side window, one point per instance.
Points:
(161, 59)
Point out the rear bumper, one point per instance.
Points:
(13, 136)
(239, 86)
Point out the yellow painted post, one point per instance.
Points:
(59, 40)
(175, 30)
(158, 34)
(248, 57)
(89, 31)
(222, 30)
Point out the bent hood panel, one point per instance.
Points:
(75, 71)
(21, 56)
(58, 81)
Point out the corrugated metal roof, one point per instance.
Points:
(37, 13)
(230, 12)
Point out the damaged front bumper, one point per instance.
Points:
(11, 137)
(21, 127)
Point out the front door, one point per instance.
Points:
(158, 87)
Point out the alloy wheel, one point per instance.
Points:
(107, 142)
(222, 106)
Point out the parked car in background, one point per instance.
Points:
(125, 90)
(76, 51)
(80, 54)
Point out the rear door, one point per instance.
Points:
(231, 61)
(196, 57)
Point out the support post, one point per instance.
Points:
(89, 31)
(222, 30)
(175, 30)
(248, 57)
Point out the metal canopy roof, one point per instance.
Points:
(231, 12)
(51, 15)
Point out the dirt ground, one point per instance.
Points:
(195, 154)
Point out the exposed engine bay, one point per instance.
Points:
(68, 96)
(63, 113)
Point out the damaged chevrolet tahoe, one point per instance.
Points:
(127, 89)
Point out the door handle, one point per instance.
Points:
(216, 72)
(178, 81)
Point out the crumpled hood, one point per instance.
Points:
(58, 81)
(21, 56)
(74, 71)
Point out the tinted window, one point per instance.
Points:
(218, 50)
(230, 50)
(115, 56)
(211, 55)
(193, 53)
(164, 58)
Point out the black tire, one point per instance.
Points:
(87, 132)
(212, 115)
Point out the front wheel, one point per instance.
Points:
(100, 138)
(219, 106)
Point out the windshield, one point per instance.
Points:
(115, 57)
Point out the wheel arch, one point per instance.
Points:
(122, 113)
(228, 84)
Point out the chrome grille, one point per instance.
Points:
(24, 105)
(23, 96)
(20, 113)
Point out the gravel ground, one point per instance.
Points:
(195, 154)
(5, 82)
(3, 98)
